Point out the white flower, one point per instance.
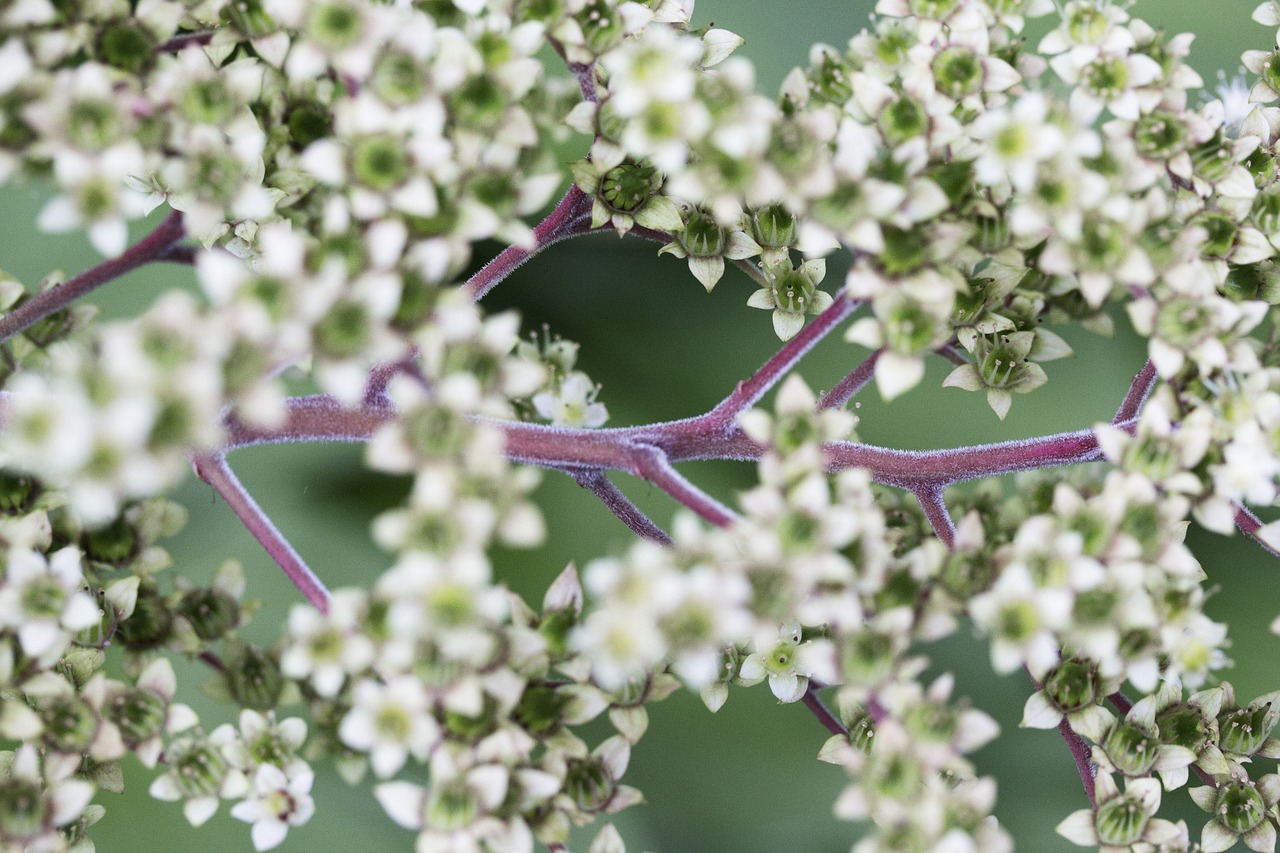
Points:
(44, 601)
(391, 722)
(573, 404)
(789, 663)
(275, 803)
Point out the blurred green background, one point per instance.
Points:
(743, 780)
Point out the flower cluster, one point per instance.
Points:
(335, 164)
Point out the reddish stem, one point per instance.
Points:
(214, 470)
(1249, 525)
(854, 382)
(815, 704)
(154, 247)
(572, 216)
(1083, 757)
(1139, 390)
(749, 392)
(935, 509)
(620, 505)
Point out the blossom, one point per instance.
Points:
(275, 803)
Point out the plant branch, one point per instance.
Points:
(815, 704)
(1249, 525)
(572, 216)
(154, 247)
(652, 464)
(1083, 757)
(935, 509)
(846, 389)
(1139, 390)
(620, 505)
(749, 392)
(214, 470)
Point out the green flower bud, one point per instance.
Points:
(344, 331)
(199, 769)
(116, 544)
(703, 236)
(540, 709)
(308, 121)
(1244, 730)
(588, 783)
(958, 72)
(24, 810)
(1212, 160)
(1262, 165)
(1256, 281)
(139, 714)
(1121, 821)
(398, 78)
(1132, 748)
(1159, 135)
(18, 492)
(1183, 725)
(867, 656)
(151, 623)
(601, 26)
(1086, 24)
(211, 613)
(473, 727)
(1072, 685)
(253, 678)
(334, 25)
(1239, 807)
(380, 162)
(1221, 233)
(70, 724)
(127, 46)
(451, 806)
(773, 227)
(625, 188)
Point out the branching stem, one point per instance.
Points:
(156, 246)
(620, 505)
(214, 470)
(572, 216)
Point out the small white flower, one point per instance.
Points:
(275, 803)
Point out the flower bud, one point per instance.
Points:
(211, 613)
(1132, 748)
(139, 714)
(588, 783)
(253, 678)
(151, 623)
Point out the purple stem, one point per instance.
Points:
(572, 216)
(1083, 758)
(749, 391)
(846, 389)
(184, 40)
(1120, 701)
(1249, 525)
(620, 505)
(1139, 390)
(822, 712)
(652, 464)
(153, 247)
(935, 509)
(214, 470)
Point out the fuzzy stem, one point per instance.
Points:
(749, 392)
(846, 389)
(572, 216)
(815, 704)
(1139, 390)
(1249, 525)
(214, 470)
(1083, 758)
(935, 509)
(153, 247)
(652, 464)
(620, 505)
